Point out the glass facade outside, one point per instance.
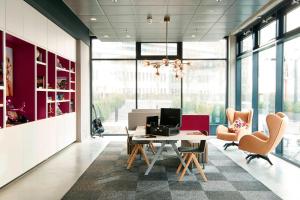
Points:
(155, 92)
(277, 87)
(113, 92)
(121, 83)
(292, 19)
(204, 89)
(247, 43)
(291, 99)
(246, 84)
(266, 86)
(267, 33)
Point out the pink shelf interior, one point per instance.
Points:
(23, 75)
(42, 55)
(41, 105)
(64, 107)
(63, 62)
(51, 110)
(1, 58)
(51, 70)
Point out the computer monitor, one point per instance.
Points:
(170, 117)
(151, 122)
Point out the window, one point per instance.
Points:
(204, 89)
(266, 86)
(292, 19)
(267, 33)
(158, 49)
(246, 81)
(114, 92)
(207, 50)
(157, 91)
(247, 43)
(111, 50)
(291, 99)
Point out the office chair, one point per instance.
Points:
(189, 155)
(137, 148)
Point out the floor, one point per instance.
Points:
(53, 178)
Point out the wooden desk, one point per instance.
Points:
(193, 135)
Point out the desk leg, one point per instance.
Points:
(180, 158)
(155, 157)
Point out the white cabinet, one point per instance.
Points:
(52, 32)
(35, 26)
(2, 14)
(14, 17)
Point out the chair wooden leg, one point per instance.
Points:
(152, 147)
(144, 154)
(180, 165)
(190, 157)
(132, 158)
(199, 167)
(132, 151)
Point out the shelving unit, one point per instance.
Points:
(42, 80)
(1, 80)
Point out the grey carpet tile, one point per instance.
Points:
(188, 195)
(217, 186)
(107, 178)
(265, 195)
(157, 195)
(222, 195)
(152, 186)
(120, 195)
(185, 185)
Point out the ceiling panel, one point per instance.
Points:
(191, 20)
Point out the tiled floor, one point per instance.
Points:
(53, 178)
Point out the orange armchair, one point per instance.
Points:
(260, 144)
(223, 132)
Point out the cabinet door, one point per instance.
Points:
(35, 26)
(2, 14)
(14, 17)
(52, 30)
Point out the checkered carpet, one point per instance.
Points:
(108, 178)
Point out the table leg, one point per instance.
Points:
(155, 157)
(180, 158)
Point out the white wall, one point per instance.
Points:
(20, 19)
(83, 87)
(24, 146)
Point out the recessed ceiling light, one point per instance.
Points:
(193, 36)
(218, 0)
(114, 1)
(93, 19)
(106, 36)
(128, 36)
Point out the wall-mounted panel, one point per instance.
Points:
(14, 17)
(2, 14)
(52, 32)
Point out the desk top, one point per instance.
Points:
(192, 135)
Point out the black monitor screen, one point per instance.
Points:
(152, 121)
(170, 117)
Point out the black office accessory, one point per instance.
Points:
(151, 122)
(170, 117)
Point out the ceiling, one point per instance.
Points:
(191, 20)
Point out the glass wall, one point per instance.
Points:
(246, 83)
(266, 86)
(157, 91)
(121, 82)
(204, 82)
(114, 92)
(275, 57)
(291, 99)
(204, 89)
